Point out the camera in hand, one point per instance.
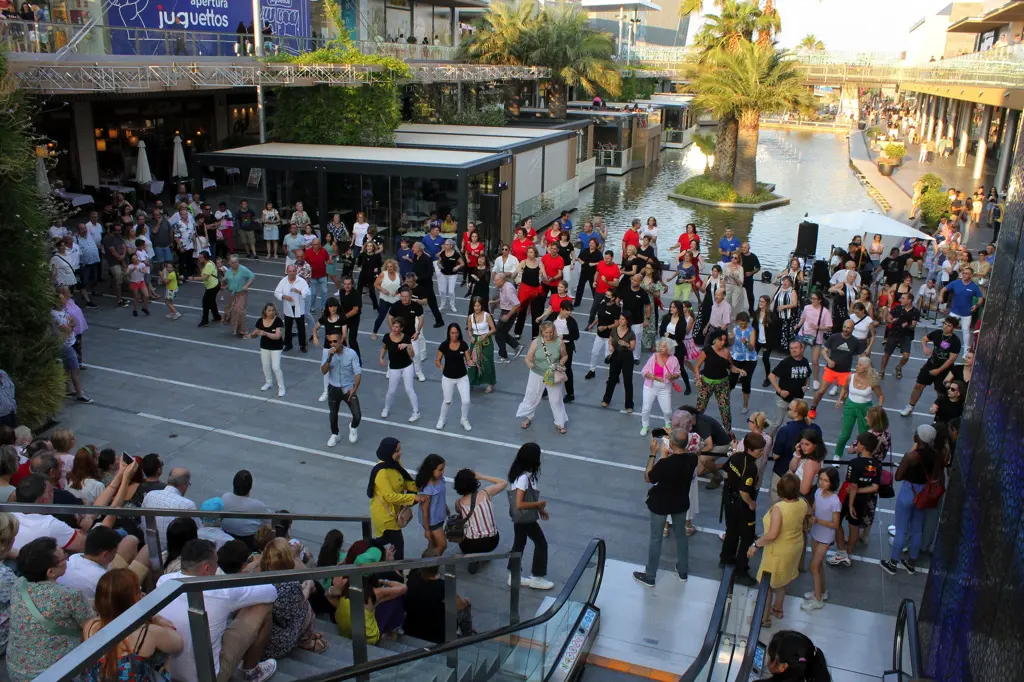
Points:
(658, 433)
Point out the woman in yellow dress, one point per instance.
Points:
(783, 543)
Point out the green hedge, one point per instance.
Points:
(708, 188)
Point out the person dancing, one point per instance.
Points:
(713, 367)
(398, 347)
(268, 330)
(453, 358)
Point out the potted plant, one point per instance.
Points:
(892, 156)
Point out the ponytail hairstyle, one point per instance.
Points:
(792, 657)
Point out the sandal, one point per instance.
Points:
(489, 389)
(315, 643)
(899, 372)
(766, 620)
(561, 429)
(777, 613)
(526, 424)
(690, 529)
(665, 532)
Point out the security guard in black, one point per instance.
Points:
(739, 502)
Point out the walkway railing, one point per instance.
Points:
(409, 51)
(713, 635)
(149, 517)
(906, 633)
(756, 617)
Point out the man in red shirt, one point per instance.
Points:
(552, 265)
(632, 237)
(318, 258)
(607, 275)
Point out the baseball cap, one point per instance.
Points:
(926, 434)
(214, 504)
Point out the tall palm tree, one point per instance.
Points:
(746, 83)
(769, 24)
(811, 43)
(505, 36)
(735, 23)
(577, 55)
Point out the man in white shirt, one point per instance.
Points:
(95, 229)
(840, 275)
(243, 642)
(37, 489)
(292, 291)
(170, 497)
(209, 526)
(104, 549)
(506, 263)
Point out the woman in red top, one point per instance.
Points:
(552, 234)
(689, 240)
(470, 229)
(531, 232)
(551, 269)
(521, 243)
(473, 250)
(555, 302)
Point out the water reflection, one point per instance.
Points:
(810, 168)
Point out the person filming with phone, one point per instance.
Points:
(671, 466)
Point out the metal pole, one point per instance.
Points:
(622, 15)
(257, 28)
(966, 115)
(199, 627)
(1006, 151)
(979, 157)
(450, 612)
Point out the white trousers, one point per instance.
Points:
(448, 387)
(271, 360)
(638, 331)
(534, 390)
(567, 277)
(965, 331)
(661, 392)
(419, 353)
(446, 289)
(405, 377)
(598, 352)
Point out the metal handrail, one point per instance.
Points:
(714, 632)
(755, 627)
(89, 651)
(906, 622)
(364, 670)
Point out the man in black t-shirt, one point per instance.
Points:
(900, 333)
(351, 308)
(839, 351)
(789, 379)
(944, 352)
(603, 316)
(637, 303)
(588, 258)
(893, 266)
(247, 230)
(411, 314)
(751, 266)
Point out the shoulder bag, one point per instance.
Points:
(554, 374)
(531, 494)
(455, 524)
(403, 517)
(928, 497)
(886, 491)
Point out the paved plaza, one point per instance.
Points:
(192, 395)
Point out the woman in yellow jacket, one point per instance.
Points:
(391, 489)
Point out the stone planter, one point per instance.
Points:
(886, 168)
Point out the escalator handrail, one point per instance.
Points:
(714, 631)
(596, 545)
(906, 623)
(754, 633)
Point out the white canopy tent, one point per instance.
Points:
(865, 224)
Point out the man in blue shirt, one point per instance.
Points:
(340, 365)
(566, 223)
(433, 242)
(728, 245)
(962, 304)
(588, 234)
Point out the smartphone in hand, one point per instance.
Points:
(658, 433)
(126, 458)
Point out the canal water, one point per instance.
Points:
(810, 168)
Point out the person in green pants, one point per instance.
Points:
(856, 399)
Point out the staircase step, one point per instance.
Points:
(289, 665)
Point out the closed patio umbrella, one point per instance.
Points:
(179, 168)
(143, 176)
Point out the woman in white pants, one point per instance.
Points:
(546, 360)
(269, 330)
(449, 267)
(453, 359)
(661, 370)
(398, 347)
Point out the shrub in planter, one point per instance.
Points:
(893, 153)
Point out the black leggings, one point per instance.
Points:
(621, 364)
(570, 348)
(747, 365)
(533, 531)
(479, 545)
(681, 357)
(534, 310)
(766, 358)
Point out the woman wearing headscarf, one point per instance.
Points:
(392, 492)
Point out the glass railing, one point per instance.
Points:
(34, 36)
(409, 51)
(609, 158)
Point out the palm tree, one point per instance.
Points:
(577, 55)
(706, 144)
(768, 24)
(811, 43)
(746, 83)
(505, 36)
(735, 23)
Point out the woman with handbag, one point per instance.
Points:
(527, 509)
(919, 470)
(546, 360)
(815, 322)
(392, 493)
(430, 482)
(621, 343)
(855, 401)
(479, 530)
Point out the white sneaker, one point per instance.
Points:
(322, 398)
(453, 308)
(262, 672)
(466, 425)
(538, 583)
(177, 316)
(643, 431)
(280, 392)
(353, 434)
(810, 595)
(906, 411)
(817, 384)
(266, 387)
(333, 440)
(745, 410)
(384, 413)
(834, 390)
(420, 377)
(811, 605)
(439, 425)
(414, 417)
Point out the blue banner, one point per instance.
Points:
(206, 28)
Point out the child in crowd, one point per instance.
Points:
(142, 249)
(430, 481)
(926, 296)
(348, 261)
(169, 278)
(137, 272)
(824, 521)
